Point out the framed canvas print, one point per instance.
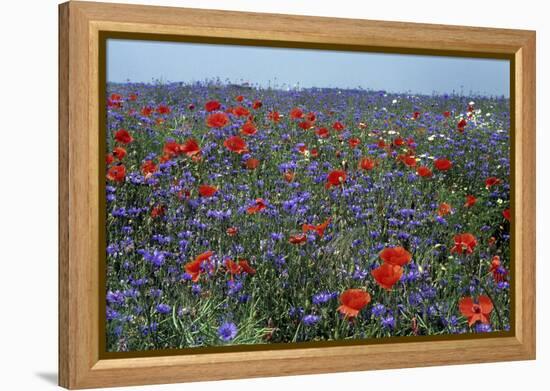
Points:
(247, 195)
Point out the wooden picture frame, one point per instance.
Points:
(82, 365)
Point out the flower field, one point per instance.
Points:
(241, 215)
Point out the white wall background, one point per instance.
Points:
(28, 183)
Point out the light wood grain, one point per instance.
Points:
(80, 23)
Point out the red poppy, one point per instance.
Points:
(409, 161)
(289, 176)
(109, 158)
(148, 167)
(146, 111)
(258, 206)
(398, 141)
(475, 312)
(239, 98)
(257, 104)
(249, 128)
(302, 149)
(236, 144)
(322, 132)
(193, 268)
(320, 228)
(217, 120)
(116, 173)
(132, 97)
(274, 116)
(381, 144)
(207, 190)
(352, 301)
(190, 148)
(424, 172)
(492, 181)
(305, 125)
(506, 214)
(386, 275)
(395, 256)
(212, 105)
(252, 163)
(443, 164)
(171, 149)
(245, 266)
(123, 136)
(296, 113)
(240, 111)
(367, 164)
(335, 178)
(311, 117)
(464, 244)
(461, 125)
(446, 114)
(338, 126)
(416, 115)
(232, 267)
(297, 239)
(354, 142)
(314, 152)
(119, 153)
(470, 201)
(115, 101)
(232, 231)
(115, 104)
(158, 211)
(444, 209)
(163, 109)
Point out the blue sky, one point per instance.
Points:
(146, 61)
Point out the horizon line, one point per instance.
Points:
(258, 86)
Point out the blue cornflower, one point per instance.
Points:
(277, 236)
(310, 319)
(234, 287)
(112, 314)
(441, 220)
(112, 249)
(118, 331)
(196, 289)
(388, 322)
(163, 308)
(294, 311)
(156, 257)
(145, 330)
(323, 297)
(450, 322)
(155, 292)
(378, 310)
(115, 297)
(227, 331)
(483, 328)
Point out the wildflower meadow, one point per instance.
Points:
(246, 215)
